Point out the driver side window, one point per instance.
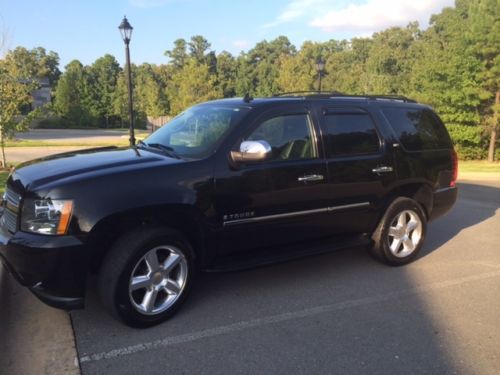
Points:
(290, 137)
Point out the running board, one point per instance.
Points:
(268, 256)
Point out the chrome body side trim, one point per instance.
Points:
(346, 206)
(442, 190)
(296, 213)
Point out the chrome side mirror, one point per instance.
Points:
(251, 151)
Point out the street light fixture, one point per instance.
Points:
(126, 32)
(320, 68)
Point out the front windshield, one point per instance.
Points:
(196, 132)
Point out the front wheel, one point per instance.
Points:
(146, 276)
(401, 232)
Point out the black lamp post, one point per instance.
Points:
(320, 68)
(126, 31)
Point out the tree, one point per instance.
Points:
(4, 38)
(259, 68)
(390, 60)
(34, 64)
(346, 67)
(297, 72)
(150, 96)
(483, 39)
(198, 47)
(71, 95)
(103, 76)
(120, 98)
(14, 94)
(226, 74)
(445, 75)
(18, 78)
(178, 55)
(190, 85)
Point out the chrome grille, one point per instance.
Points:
(9, 221)
(11, 204)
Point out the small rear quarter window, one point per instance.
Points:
(418, 129)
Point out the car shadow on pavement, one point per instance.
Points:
(352, 336)
(447, 227)
(340, 312)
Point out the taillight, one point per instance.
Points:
(454, 175)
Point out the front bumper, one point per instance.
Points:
(53, 268)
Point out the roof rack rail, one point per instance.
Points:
(336, 94)
(309, 93)
(390, 97)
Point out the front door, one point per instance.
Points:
(280, 200)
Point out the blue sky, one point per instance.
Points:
(86, 30)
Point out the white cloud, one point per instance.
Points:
(149, 3)
(376, 15)
(294, 10)
(241, 44)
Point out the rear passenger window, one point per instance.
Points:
(350, 134)
(418, 129)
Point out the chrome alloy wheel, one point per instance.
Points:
(405, 233)
(158, 280)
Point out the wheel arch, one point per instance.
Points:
(421, 192)
(183, 218)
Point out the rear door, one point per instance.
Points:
(360, 167)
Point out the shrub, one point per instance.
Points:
(54, 123)
(470, 141)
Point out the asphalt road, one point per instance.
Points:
(337, 313)
(63, 137)
(21, 154)
(81, 135)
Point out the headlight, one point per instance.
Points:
(47, 216)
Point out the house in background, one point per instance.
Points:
(41, 96)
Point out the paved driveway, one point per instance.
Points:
(335, 313)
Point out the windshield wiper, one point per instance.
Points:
(166, 149)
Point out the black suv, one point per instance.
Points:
(227, 184)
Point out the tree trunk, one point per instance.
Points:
(493, 137)
(2, 146)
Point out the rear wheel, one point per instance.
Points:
(400, 233)
(146, 276)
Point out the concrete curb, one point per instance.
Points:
(34, 338)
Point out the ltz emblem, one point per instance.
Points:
(239, 215)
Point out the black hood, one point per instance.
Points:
(90, 162)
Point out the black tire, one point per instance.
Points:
(382, 239)
(125, 258)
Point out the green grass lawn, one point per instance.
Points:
(140, 135)
(37, 143)
(3, 180)
(478, 166)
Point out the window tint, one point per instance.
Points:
(417, 129)
(350, 133)
(289, 136)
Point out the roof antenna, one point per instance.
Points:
(247, 98)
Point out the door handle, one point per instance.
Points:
(382, 169)
(312, 177)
